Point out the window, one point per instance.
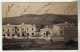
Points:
(32, 33)
(27, 28)
(18, 34)
(3, 34)
(3, 29)
(44, 33)
(8, 34)
(60, 31)
(28, 34)
(22, 29)
(8, 29)
(12, 34)
(18, 29)
(61, 35)
(55, 34)
(22, 34)
(12, 29)
(32, 28)
(49, 33)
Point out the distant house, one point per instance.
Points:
(46, 31)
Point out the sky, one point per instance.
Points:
(11, 9)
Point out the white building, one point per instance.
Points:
(28, 30)
(60, 30)
(9, 30)
(19, 30)
(46, 31)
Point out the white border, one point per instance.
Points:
(36, 1)
(39, 0)
(78, 25)
(0, 27)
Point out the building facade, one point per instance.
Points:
(62, 30)
(19, 30)
(46, 31)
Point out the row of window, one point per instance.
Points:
(17, 29)
(12, 29)
(18, 34)
(46, 34)
(28, 29)
(22, 34)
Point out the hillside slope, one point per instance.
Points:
(40, 19)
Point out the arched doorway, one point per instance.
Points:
(47, 33)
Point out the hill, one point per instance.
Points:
(45, 19)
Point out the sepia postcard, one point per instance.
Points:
(39, 26)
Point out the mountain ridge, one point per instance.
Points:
(45, 19)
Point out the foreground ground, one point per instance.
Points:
(24, 44)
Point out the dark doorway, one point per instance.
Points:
(3, 34)
(12, 34)
(8, 34)
(22, 34)
(18, 34)
(28, 34)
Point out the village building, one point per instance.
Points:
(30, 30)
(70, 32)
(19, 30)
(65, 30)
(11, 30)
(46, 31)
(59, 29)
